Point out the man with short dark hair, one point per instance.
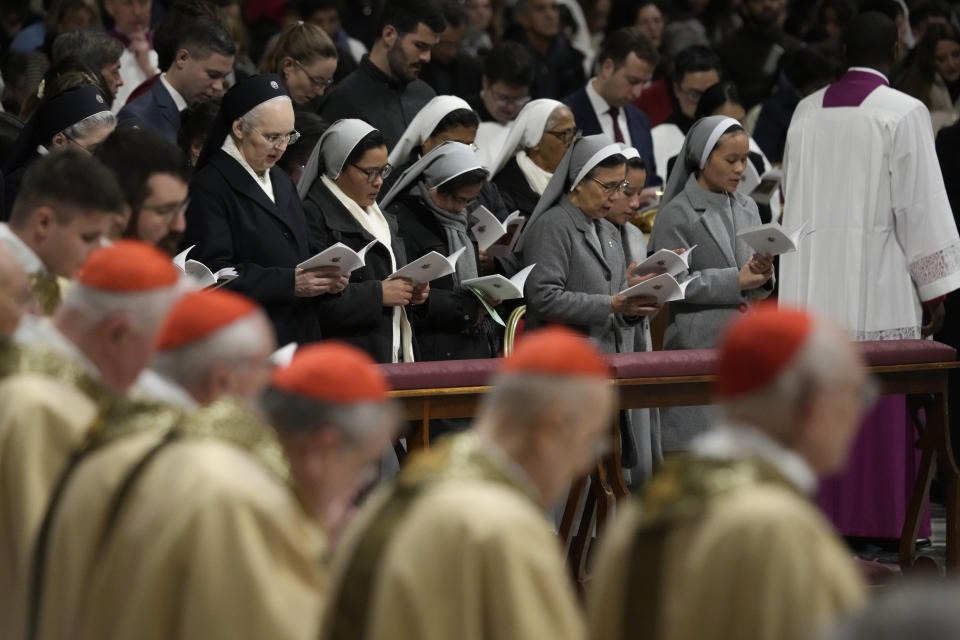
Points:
(204, 57)
(62, 212)
(624, 64)
(451, 70)
(154, 176)
(559, 66)
(386, 90)
(507, 77)
(752, 54)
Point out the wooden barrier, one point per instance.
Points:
(899, 369)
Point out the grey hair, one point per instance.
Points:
(251, 119)
(523, 398)
(89, 124)
(919, 610)
(241, 340)
(292, 414)
(146, 309)
(815, 367)
(92, 47)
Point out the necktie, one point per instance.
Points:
(617, 133)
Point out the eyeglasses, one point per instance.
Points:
(168, 210)
(90, 149)
(279, 140)
(566, 136)
(374, 172)
(610, 188)
(505, 100)
(319, 83)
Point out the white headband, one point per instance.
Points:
(629, 153)
(595, 159)
(718, 131)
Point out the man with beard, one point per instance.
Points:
(153, 175)
(751, 56)
(386, 90)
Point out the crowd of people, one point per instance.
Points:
(172, 172)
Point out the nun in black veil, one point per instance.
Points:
(245, 212)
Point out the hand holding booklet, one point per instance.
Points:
(774, 239)
(663, 287)
(665, 260)
(429, 267)
(201, 272)
(496, 288)
(495, 237)
(338, 255)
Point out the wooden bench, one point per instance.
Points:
(916, 368)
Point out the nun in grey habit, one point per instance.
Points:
(693, 214)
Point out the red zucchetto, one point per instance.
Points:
(128, 266)
(332, 372)
(200, 314)
(758, 346)
(556, 351)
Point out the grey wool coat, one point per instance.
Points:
(575, 276)
(710, 221)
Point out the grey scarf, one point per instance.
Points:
(455, 226)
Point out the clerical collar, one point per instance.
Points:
(869, 70)
(729, 440)
(517, 474)
(24, 255)
(177, 98)
(155, 386)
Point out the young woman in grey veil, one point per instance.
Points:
(701, 206)
(430, 202)
(339, 188)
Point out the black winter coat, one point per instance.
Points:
(233, 223)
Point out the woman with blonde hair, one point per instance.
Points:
(305, 57)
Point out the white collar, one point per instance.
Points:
(35, 330)
(869, 70)
(601, 106)
(177, 98)
(23, 254)
(731, 440)
(232, 150)
(152, 385)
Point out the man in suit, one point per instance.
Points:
(205, 54)
(624, 64)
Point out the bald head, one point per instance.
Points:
(16, 297)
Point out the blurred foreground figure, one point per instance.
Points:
(918, 610)
(725, 542)
(459, 546)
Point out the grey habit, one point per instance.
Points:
(690, 215)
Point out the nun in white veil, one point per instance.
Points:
(534, 145)
(580, 260)
(701, 206)
(339, 189)
(430, 202)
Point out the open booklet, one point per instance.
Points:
(201, 272)
(495, 237)
(665, 260)
(338, 255)
(429, 267)
(760, 187)
(498, 287)
(774, 239)
(283, 356)
(663, 287)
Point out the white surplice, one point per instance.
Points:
(867, 180)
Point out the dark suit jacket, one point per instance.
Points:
(356, 315)
(637, 122)
(233, 223)
(155, 110)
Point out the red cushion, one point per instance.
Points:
(880, 353)
(663, 364)
(441, 374)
